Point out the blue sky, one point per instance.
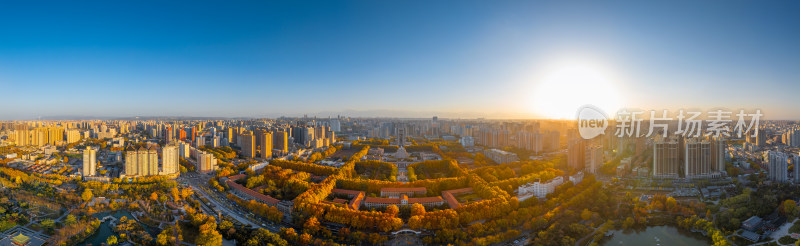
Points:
(383, 58)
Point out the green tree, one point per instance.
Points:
(48, 223)
(70, 220)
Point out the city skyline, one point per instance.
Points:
(368, 59)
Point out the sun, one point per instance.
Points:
(566, 85)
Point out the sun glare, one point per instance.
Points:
(567, 85)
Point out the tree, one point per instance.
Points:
(48, 223)
(208, 234)
(175, 193)
(586, 214)
(305, 238)
(628, 223)
(70, 220)
(265, 237)
(789, 207)
(311, 226)
(86, 195)
(417, 209)
(671, 203)
(154, 196)
(393, 210)
(225, 225)
(111, 240)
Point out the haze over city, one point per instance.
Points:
(474, 59)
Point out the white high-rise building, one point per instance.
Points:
(184, 150)
(778, 166)
(169, 159)
(89, 162)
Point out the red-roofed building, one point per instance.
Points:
(248, 194)
(349, 193)
(372, 202)
(355, 203)
(236, 177)
(397, 192)
(449, 196)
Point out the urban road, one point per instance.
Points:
(228, 208)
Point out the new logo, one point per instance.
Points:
(592, 121)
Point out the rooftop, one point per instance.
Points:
(411, 189)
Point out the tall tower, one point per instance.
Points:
(89, 162)
(266, 145)
(281, 141)
(248, 145)
(169, 159)
(152, 160)
(576, 156)
(131, 162)
(697, 159)
(778, 166)
(666, 158)
(594, 158)
(142, 162)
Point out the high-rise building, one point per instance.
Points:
(576, 154)
(131, 162)
(336, 126)
(200, 141)
(73, 136)
(248, 145)
(22, 137)
(169, 159)
(141, 162)
(697, 159)
(796, 163)
(280, 141)
(666, 158)
(778, 166)
(552, 141)
(531, 141)
(206, 162)
(718, 154)
(761, 139)
(89, 162)
(152, 160)
(266, 145)
(594, 158)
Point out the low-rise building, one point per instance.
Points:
(540, 189)
(397, 192)
(374, 202)
(501, 156)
